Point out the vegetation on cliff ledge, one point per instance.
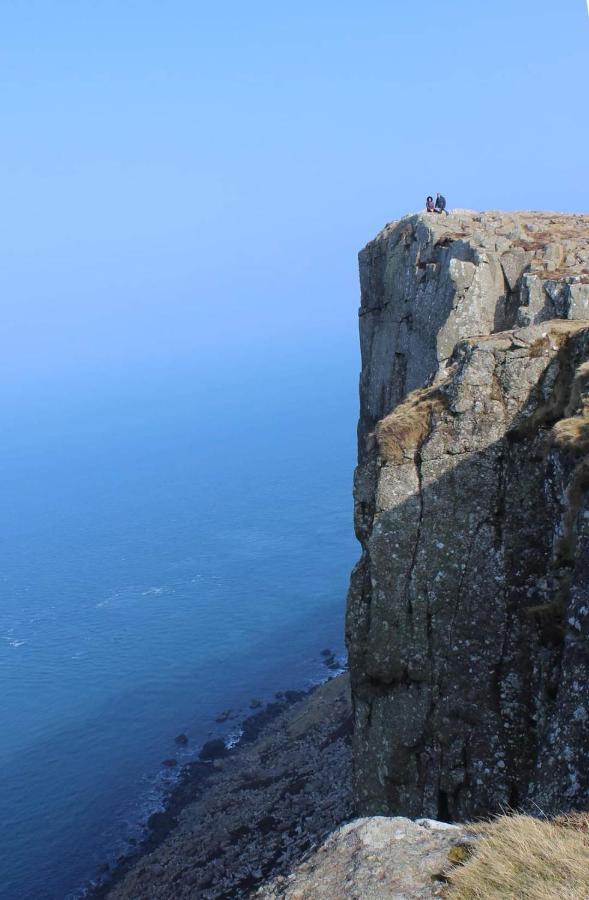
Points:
(531, 859)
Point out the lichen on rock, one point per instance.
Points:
(375, 858)
(468, 612)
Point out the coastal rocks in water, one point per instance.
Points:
(329, 659)
(225, 715)
(294, 696)
(374, 859)
(255, 703)
(213, 749)
(468, 613)
(159, 823)
(251, 726)
(331, 662)
(169, 763)
(275, 799)
(181, 740)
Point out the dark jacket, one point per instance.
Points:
(440, 202)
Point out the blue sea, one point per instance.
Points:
(174, 543)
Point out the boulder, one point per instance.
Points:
(375, 858)
(213, 749)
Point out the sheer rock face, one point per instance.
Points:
(468, 612)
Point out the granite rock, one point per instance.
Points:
(374, 858)
(468, 612)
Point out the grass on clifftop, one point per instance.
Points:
(528, 859)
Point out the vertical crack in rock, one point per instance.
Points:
(409, 583)
(468, 614)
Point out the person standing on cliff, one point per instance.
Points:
(441, 204)
(429, 205)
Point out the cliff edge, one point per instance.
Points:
(468, 612)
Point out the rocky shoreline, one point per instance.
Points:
(244, 814)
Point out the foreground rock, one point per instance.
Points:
(267, 804)
(375, 859)
(468, 614)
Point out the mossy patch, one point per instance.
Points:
(458, 854)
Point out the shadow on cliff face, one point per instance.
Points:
(468, 614)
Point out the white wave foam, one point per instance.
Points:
(11, 640)
(233, 739)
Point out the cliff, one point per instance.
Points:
(468, 612)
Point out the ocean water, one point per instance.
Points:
(173, 544)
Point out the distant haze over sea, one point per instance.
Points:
(175, 543)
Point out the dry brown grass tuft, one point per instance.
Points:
(541, 347)
(578, 821)
(402, 432)
(525, 858)
(558, 332)
(558, 274)
(572, 435)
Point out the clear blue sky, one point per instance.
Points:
(184, 177)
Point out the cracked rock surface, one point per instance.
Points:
(468, 612)
(374, 858)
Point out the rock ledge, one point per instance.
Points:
(374, 858)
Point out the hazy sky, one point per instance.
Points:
(183, 178)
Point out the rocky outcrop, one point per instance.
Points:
(376, 859)
(468, 613)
